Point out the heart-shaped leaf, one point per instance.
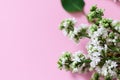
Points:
(73, 5)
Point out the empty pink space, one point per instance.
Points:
(30, 41)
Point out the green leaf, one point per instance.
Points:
(73, 5)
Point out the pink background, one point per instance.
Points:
(30, 42)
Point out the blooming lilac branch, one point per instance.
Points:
(103, 48)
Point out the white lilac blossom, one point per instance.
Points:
(95, 48)
(108, 69)
(103, 47)
(79, 32)
(74, 62)
(65, 61)
(77, 59)
(116, 25)
(67, 26)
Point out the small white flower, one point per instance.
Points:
(75, 70)
(70, 34)
(108, 68)
(76, 30)
(65, 24)
(77, 56)
(64, 32)
(63, 61)
(104, 70)
(114, 22)
(73, 20)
